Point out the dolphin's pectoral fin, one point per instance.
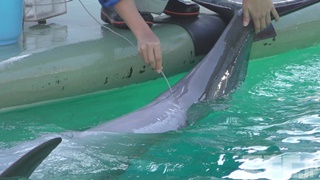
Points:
(267, 33)
(25, 166)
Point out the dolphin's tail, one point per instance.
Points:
(226, 8)
(25, 166)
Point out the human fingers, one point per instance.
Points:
(151, 57)
(275, 14)
(263, 23)
(257, 24)
(143, 53)
(268, 19)
(158, 58)
(246, 16)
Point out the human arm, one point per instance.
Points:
(260, 11)
(148, 43)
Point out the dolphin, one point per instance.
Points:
(217, 75)
(25, 166)
(214, 76)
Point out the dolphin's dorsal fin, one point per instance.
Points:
(25, 166)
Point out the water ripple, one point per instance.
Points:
(280, 167)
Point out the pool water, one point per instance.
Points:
(268, 128)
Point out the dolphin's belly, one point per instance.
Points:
(163, 116)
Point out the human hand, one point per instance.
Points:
(150, 50)
(148, 43)
(260, 11)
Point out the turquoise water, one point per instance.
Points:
(269, 128)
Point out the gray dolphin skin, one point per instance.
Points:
(219, 73)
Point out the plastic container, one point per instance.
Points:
(11, 16)
(37, 10)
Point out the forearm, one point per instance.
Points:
(148, 44)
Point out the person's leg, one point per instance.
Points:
(109, 15)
